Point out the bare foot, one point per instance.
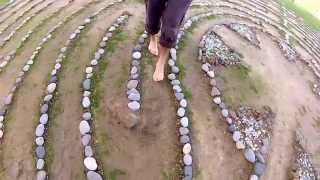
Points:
(158, 74)
(153, 45)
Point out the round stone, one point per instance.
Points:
(101, 51)
(249, 155)
(132, 84)
(217, 100)
(40, 130)
(44, 119)
(183, 103)
(51, 87)
(187, 159)
(41, 175)
(91, 175)
(179, 96)
(40, 141)
(240, 145)
(40, 164)
(26, 68)
(254, 177)
(57, 66)
(134, 97)
(186, 148)
(184, 122)
(215, 92)
(90, 163)
(134, 106)
(188, 171)
(181, 112)
(86, 116)
(205, 67)
(183, 131)
(40, 152)
(94, 62)
(184, 139)
(84, 127)
(225, 112)
(210, 74)
(136, 55)
(89, 70)
(259, 168)
(86, 84)
(171, 76)
(88, 152)
(47, 98)
(175, 69)
(236, 136)
(86, 102)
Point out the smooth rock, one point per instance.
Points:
(171, 76)
(179, 96)
(90, 163)
(134, 106)
(40, 130)
(89, 70)
(184, 122)
(217, 100)
(40, 152)
(134, 97)
(92, 175)
(44, 119)
(40, 164)
(85, 140)
(183, 131)
(259, 168)
(184, 139)
(181, 112)
(47, 98)
(132, 84)
(260, 157)
(254, 177)
(225, 113)
(210, 74)
(86, 116)
(136, 55)
(205, 67)
(183, 103)
(186, 148)
(41, 175)
(240, 145)
(39, 141)
(213, 82)
(86, 102)
(86, 84)
(84, 127)
(187, 159)
(51, 88)
(249, 155)
(88, 151)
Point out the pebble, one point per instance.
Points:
(187, 159)
(40, 164)
(184, 139)
(51, 88)
(85, 140)
(86, 84)
(254, 177)
(86, 102)
(236, 136)
(47, 98)
(184, 122)
(181, 112)
(86, 116)
(26, 68)
(175, 82)
(136, 55)
(53, 79)
(210, 74)
(171, 76)
(249, 155)
(186, 148)
(40, 152)
(215, 92)
(259, 168)
(217, 100)
(91, 175)
(90, 163)
(213, 82)
(88, 151)
(134, 97)
(205, 67)
(175, 69)
(41, 175)
(40, 130)
(132, 91)
(183, 131)
(225, 112)
(40, 141)
(89, 70)
(240, 145)
(134, 106)
(84, 127)
(132, 84)
(260, 157)
(179, 96)
(44, 119)
(183, 103)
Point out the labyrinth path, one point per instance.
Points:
(77, 101)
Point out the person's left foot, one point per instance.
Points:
(158, 74)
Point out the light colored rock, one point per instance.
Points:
(84, 127)
(90, 163)
(184, 122)
(187, 159)
(51, 88)
(86, 102)
(186, 148)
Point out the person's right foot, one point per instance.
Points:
(153, 45)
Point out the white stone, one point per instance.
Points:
(184, 122)
(183, 103)
(51, 88)
(90, 163)
(136, 55)
(85, 102)
(186, 148)
(187, 159)
(89, 70)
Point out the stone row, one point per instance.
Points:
(25, 21)
(9, 5)
(5, 60)
(86, 131)
(15, 11)
(133, 85)
(48, 99)
(26, 68)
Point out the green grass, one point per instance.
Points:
(2, 2)
(304, 12)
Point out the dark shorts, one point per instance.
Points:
(167, 15)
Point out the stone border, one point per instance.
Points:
(85, 128)
(51, 90)
(10, 56)
(133, 85)
(14, 12)
(8, 5)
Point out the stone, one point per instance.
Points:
(39, 141)
(187, 171)
(86, 102)
(231, 128)
(51, 88)
(186, 148)
(236, 136)
(136, 55)
(44, 119)
(181, 112)
(40, 164)
(112, 28)
(175, 82)
(86, 93)
(53, 79)
(205, 67)
(84, 127)
(177, 88)
(26, 68)
(40, 152)
(85, 139)
(72, 36)
(57, 66)
(1, 118)
(260, 157)
(217, 100)
(171, 76)
(187, 159)
(179, 96)
(254, 177)
(184, 122)
(8, 99)
(249, 155)
(41, 175)
(103, 44)
(183, 131)
(86, 84)
(132, 91)
(47, 98)
(91, 175)
(88, 151)
(134, 70)
(86, 116)
(183, 103)
(134, 97)
(213, 82)
(259, 168)
(40, 130)
(94, 62)
(173, 53)
(132, 84)
(225, 113)
(171, 62)
(89, 70)
(210, 74)
(175, 69)
(215, 92)
(90, 163)
(97, 56)
(240, 145)
(44, 109)
(134, 106)
(184, 139)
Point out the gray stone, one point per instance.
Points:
(86, 116)
(231, 128)
(97, 56)
(88, 151)
(86, 102)
(40, 164)
(132, 91)
(183, 131)
(134, 97)
(254, 177)
(132, 84)
(138, 47)
(213, 82)
(136, 55)
(260, 157)
(210, 74)
(187, 170)
(47, 98)
(51, 87)
(135, 63)
(86, 84)
(134, 76)
(171, 76)
(179, 96)
(91, 175)
(259, 168)
(222, 105)
(85, 140)
(225, 113)
(134, 70)
(175, 82)
(205, 67)
(184, 139)
(44, 119)
(40, 130)
(103, 44)
(187, 159)
(177, 88)
(41, 175)
(217, 100)
(215, 92)
(8, 99)
(90, 163)
(53, 79)
(84, 127)
(236, 136)
(175, 69)
(44, 108)
(183, 103)
(181, 112)
(40, 152)
(40, 141)
(184, 122)
(134, 106)
(173, 53)
(249, 155)
(186, 148)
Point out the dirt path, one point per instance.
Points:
(149, 150)
(291, 108)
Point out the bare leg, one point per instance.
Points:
(153, 45)
(158, 74)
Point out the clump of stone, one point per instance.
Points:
(246, 32)
(289, 52)
(214, 50)
(303, 168)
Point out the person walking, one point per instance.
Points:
(167, 16)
